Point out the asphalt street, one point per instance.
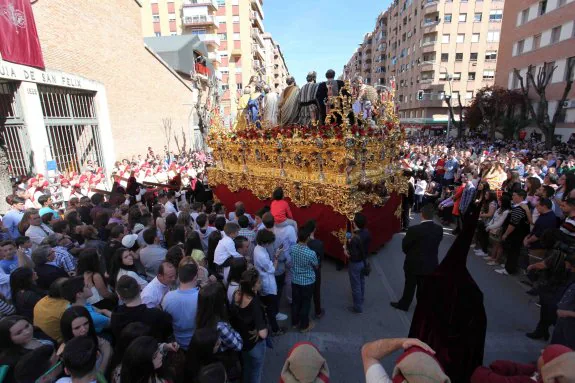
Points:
(340, 334)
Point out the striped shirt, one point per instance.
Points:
(519, 220)
(568, 227)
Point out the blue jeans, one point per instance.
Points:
(357, 281)
(254, 363)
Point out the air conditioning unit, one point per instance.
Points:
(568, 104)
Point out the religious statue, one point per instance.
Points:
(242, 118)
(289, 103)
(254, 105)
(308, 111)
(325, 90)
(270, 106)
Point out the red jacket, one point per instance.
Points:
(504, 371)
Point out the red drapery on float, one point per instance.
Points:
(382, 222)
(19, 41)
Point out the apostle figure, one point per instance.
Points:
(326, 89)
(307, 100)
(270, 107)
(289, 103)
(242, 116)
(254, 104)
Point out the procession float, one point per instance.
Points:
(329, 170)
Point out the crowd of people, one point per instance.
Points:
(175, 288)
(526, 224)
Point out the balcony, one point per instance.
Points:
(256, 35)
(257, 6)
(258, 51)
(215, 56)
(199, 20)
(429, 3)
(210, 39)
(257, 21)
(211, 4)
(426, 80)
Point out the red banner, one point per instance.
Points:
(19, 41)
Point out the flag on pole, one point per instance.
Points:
(19, 41)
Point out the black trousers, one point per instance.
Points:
(317, 292)
(513, 251)
(271, 304)
(482, 236)
(301, 305)
(412, 282)
(280, 282)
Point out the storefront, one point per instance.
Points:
(50, 116)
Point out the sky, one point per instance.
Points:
(320, 34)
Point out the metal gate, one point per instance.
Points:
(72, 127)
(13, 132)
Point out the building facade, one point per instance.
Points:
(235, 35)
(276, 68)
(101, 88)
(433, 49)
(537, 32)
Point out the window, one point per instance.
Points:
(490, 55)
(477, 17)
(520, 46)
(459, 57)
(457, 76)
(570, 61)
(444, 57)
(473, 56)
(555, 34)
(496, 15)
(537, 41)
(524, 16)
(158, 34)
(488, 74)
(445, 39)
(172, 17)
(447, 18)
(462, 17)
(237, 37)
(460, 38)
(222, 3)
(223, 36)
(235, 19)
(469, 95)
(493, 36)
(475, 38)
(542, 7)
(225, 87)
(239, 86)
(455, 95)
(156, 18)
(471, 76)
(442, 76)
(173, 33)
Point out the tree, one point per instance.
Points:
(540, 114)
(167, 126)
(496, 108)
(456, 124)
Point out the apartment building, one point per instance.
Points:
(434, 49)
(535, 32)
(276, 68)
(233, 31)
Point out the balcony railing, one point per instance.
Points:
(210, 38)
(257, 6)
(426, 80)
(257, 20)
(428, 43)
(194, 3)
(256, 34)
(200, 20)
(430, 3)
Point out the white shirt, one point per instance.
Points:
(376, 374)
(226, 248)
(153, 293)
(5, 284)
(37, 234)
(170, 208)
(266, 270)
(420, 187)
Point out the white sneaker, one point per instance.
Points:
(281, 316)
(480, 253)
(502, 271)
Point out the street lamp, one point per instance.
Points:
(448, 77)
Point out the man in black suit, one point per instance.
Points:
(331, 87)
(420, 245)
